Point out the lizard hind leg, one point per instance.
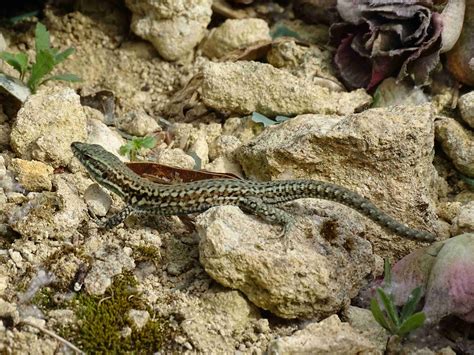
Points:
(269, 213)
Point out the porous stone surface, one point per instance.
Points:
(245, 87)
(97, 200)
(213, 323)
(175, 157)
(330, 336)
(383, 154)
(466, 108)
(174, 27)
(50, 214)
(464, 220)
(363, 321)
(33, 175)
(100, 133)
(234, 34)
(458, 143)
(47, 124)
(312, 274)
(111, 261)
(137, 123)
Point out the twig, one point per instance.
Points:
(55, 336)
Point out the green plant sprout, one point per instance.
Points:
(45, 60)
(132, 147)
(396, 322)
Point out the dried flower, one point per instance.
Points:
(383, 38)
(445, 271)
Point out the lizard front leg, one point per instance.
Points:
(116, 219)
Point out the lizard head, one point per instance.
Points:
(104, 167)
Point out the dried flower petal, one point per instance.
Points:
(386, 38)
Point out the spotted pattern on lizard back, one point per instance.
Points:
(260, 198)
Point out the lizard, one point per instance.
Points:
(259, 198)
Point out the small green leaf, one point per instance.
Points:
(59, 57)
(125, 149)
(282, 118)
(414, 321)
(148, 142)
(43, 66)
(63, 77)
(389, 307)
(410, 305)
(378, 314)
(18, 61)
(259, 118)
(42, 42)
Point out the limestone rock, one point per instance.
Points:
(175, 157)
(313, 279)
(97, 200)
(457, 143)
(100, 133)
(138, 123)
(47, 124)
(214, 322)
(110, 261)
(50, 214)
(383, 154)
(364, 323)
(235, 34)
(330, 336)
(246, 87)
(33, 175)
(174, 27)
(466, 108)
(464, 221)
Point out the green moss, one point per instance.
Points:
(101, 319)
(44, 299)
(146, 253)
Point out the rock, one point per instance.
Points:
(33, 175)
(139, 317)
(110, 261)
(224, 146)
(242, 252)
(101, 134)
(50, 214)
(138, 123)
(464, 221)
(243, 129)
(200, 149)
(4, 281)
(9, 312)
(47, 124)
(466, 108)
(383, 154)
(173, 27)
(242, 88)
(234, 34)
(97, 200)
(7, 179)
(5, 131)
(330, 336)
(3, 43)
(458, 143)
(365, 324)
(215, 322)
(224, 165)
(175, 157)
(307, 62)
